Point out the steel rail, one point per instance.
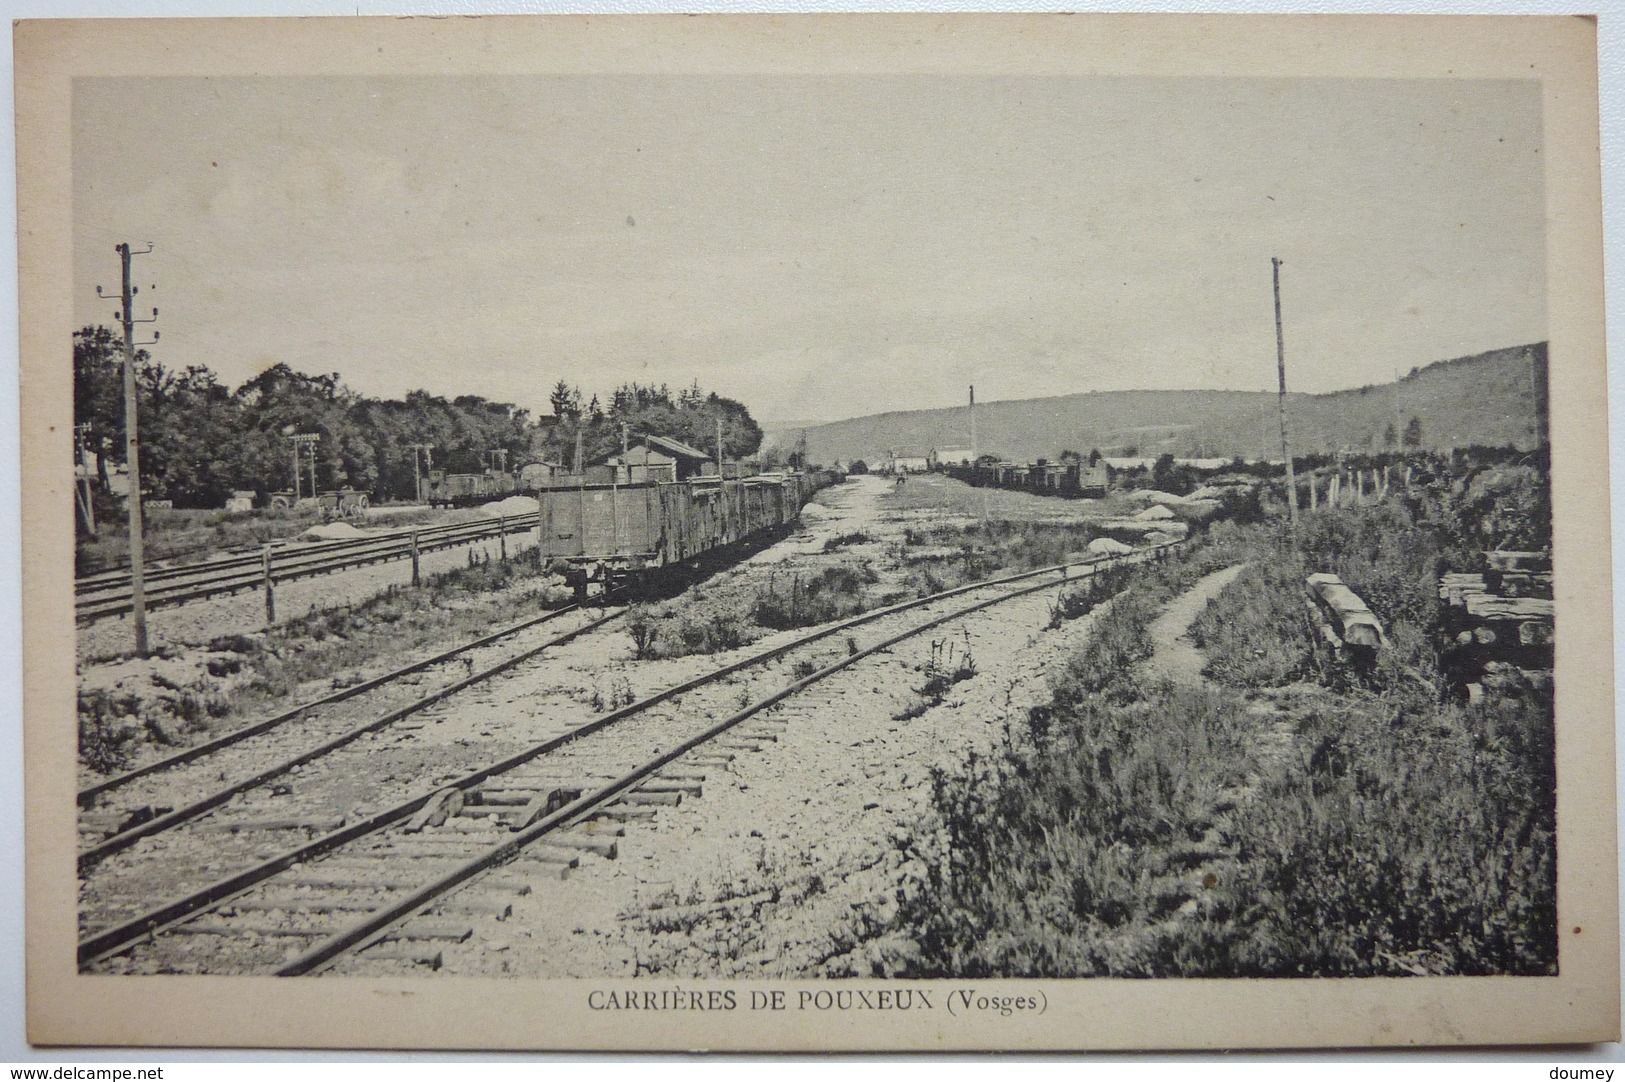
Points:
(219, 577)
(380, 923)
(117, 938)
(88, 795)
(157, 825)
(105, 580)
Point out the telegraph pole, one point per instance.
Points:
(1280, 364)
(132, 448)
(417, 478)
(973, 426)
(300, 440)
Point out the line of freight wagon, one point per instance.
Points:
(616, 534)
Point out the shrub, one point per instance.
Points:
(109, 731)
(831, 594)
(640, 624)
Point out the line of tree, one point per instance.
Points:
(201, 440)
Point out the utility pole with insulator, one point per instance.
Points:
(417, 477)
(132, 446)
(301, 440)
(1280, 365)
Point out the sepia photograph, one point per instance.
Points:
(816, 531)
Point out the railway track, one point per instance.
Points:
(142, 801)
(399, 876)
(108, 594)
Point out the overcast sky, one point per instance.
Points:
(818, 247)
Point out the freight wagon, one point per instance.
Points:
(614, 534)
(443, 489)
(1044, 478)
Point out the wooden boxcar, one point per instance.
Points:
(442, 489)
(614, 532)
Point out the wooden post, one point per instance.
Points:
(502, 531)
(416, 578)
(270, 593)
(1280, 363)
(1312, 500)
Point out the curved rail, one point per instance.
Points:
(88, 795)
(113, 940)
(158, 824)
(378, 924)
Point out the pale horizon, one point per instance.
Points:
(830, 247)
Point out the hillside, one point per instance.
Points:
(1490, 398)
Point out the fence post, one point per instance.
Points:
(415, 578)
(502, 528)
(270, 593)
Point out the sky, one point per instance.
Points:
(818, 247)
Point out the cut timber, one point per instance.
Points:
(333, 883)
(483, 906)
(547, 854)
(238, 826)
(501, 798)
(604, 847)
(445, 803)
(234, 930)
(1489, 607)
(415, 955)
(300, 904)
(625, 812)
(1510, 560)
(692, 788)
(457, 933)
(545, 868)
(638, 796)
(1347, 615)
(545, 802)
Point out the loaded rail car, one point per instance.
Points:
(617, 533)
(443, 489)
(1069, 480)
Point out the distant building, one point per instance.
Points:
(951, 456)
(905, 463)
(537, 475)
(240, 500)
(656, 458)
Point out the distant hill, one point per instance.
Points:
(1492, 398)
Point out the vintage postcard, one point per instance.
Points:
(815, 533)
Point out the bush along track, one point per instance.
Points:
(1279, 818)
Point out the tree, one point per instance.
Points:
(565, 400)
(1413, 433)
(858, 467)
(1389, 436)
(98, 394)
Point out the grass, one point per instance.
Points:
(252, 674)
(949, 663)
(182, 535)
(819, 597)
(1280, 820)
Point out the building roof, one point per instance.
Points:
(641, 455)
(676, 447)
